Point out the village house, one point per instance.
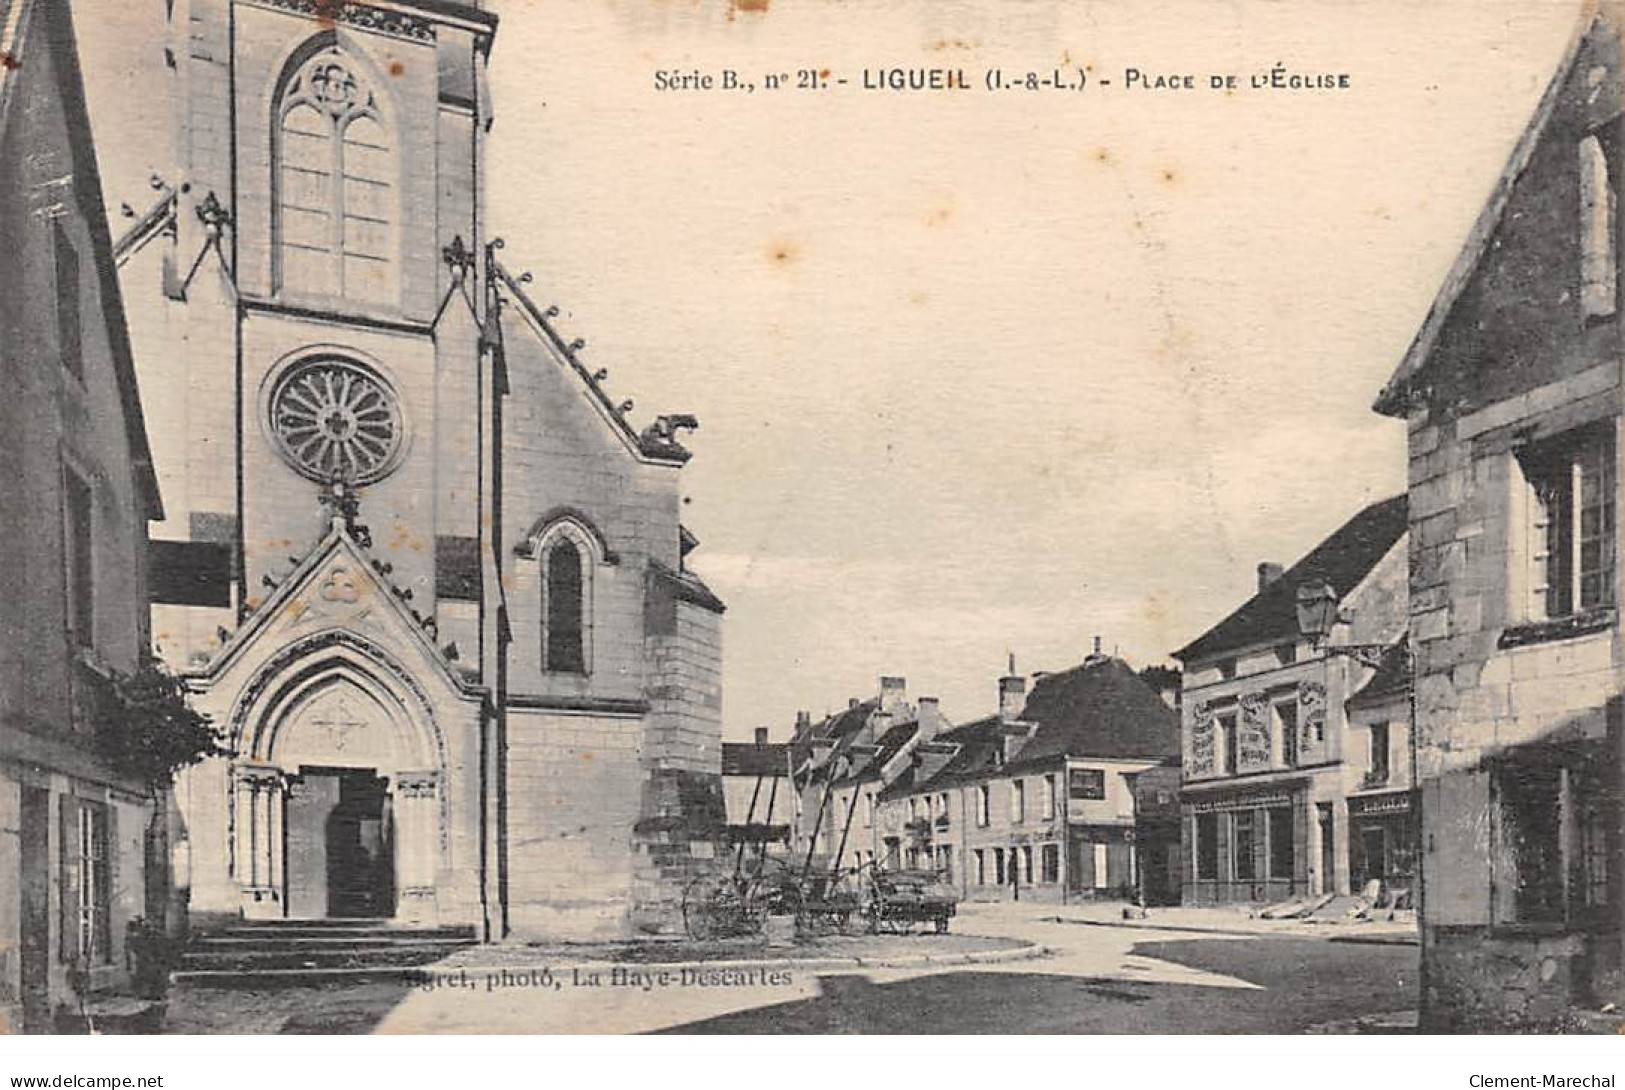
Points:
(1042, 795)
(1268, 752)
(75, 832)
(845, 761)
(420, 564)
(1511, 393)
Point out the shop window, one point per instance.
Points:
(1241, 846)
(1051, 860)
(1571, 522)
(1280, 841)
(1207, 845)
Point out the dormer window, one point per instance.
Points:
(1598, 267)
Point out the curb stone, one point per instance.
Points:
(1377, 939)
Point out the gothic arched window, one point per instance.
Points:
(1598, 271)
(562, 629)
(335, 178)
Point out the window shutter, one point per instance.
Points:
(109, 941)
(69, 882)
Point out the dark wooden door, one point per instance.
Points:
(360, 857)
(1328, 851)
(312, 797)
(35, 888)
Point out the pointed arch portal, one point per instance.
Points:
(337, 789)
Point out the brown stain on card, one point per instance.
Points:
(781, 253)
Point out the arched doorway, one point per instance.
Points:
(336, 800)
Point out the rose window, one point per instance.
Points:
(336, 421)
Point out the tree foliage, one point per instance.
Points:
(146, 728)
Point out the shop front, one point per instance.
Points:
(1382, 843)
(1246, 845)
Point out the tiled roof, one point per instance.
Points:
(1342, 560)
(1099, 708)
(750, 759)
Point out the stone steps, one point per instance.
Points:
(287, 952)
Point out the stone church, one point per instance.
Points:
(416, 562)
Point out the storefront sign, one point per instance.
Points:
(1392, 802)
(1248, 801)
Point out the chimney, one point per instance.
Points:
(929, 716)
(761, 737)
(803, 723)
(892, 690)
(1096, 655)
(1267, 574)
(1012, 693)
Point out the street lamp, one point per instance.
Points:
(1318, 615)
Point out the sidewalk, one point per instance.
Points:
(1237, 920)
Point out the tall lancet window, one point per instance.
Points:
(335, 209)
(1598, 267)
(566, 601)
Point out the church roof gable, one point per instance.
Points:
(335, 585)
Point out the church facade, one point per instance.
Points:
(417, 564)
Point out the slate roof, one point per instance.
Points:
(1392, 400)
(1099, 708)
(980, 749)
(750, 759)
(887, 746)
(1342, 560)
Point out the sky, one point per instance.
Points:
(978, 373)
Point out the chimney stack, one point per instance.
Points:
(1012, 693)
(1268, 573)
(761, 737)
(892, 691)
(929, 717)
(803, 723)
